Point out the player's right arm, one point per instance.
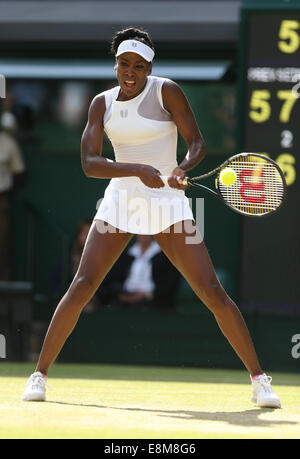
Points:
(95, 165)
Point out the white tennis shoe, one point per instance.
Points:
(35, 390)
(262, 392)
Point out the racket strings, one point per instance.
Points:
(258, 189)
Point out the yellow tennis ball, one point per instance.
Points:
(227, 176)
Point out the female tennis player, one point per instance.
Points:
(141, 117)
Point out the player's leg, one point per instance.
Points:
(100, 253)
(194, 263)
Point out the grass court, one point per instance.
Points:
(126, 402)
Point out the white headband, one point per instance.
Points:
(135, 46)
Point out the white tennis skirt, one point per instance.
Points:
(132, 207)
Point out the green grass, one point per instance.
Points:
(125, 402)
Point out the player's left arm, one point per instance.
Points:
(176, 103)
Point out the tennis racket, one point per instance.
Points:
(259, 187)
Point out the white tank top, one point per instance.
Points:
(143, 132)
(140, 129)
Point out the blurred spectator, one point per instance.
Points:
(73, 103)
(28, 102)
(12, 171)
(142, 279)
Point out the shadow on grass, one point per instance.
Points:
(241, 418)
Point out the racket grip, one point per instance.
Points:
(164, 178)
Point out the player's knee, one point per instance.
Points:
(215, 296)
(83, 287)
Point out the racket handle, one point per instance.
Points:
(166, 177)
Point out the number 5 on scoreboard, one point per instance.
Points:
(289, 36)
(260, 106)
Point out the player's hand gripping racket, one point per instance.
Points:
(249, 183)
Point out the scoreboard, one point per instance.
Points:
(270, 125)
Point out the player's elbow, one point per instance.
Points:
(202, 149)
(86, 166)
(198, 150)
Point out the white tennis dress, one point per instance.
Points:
(142, 131)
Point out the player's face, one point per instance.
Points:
(132, 71)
